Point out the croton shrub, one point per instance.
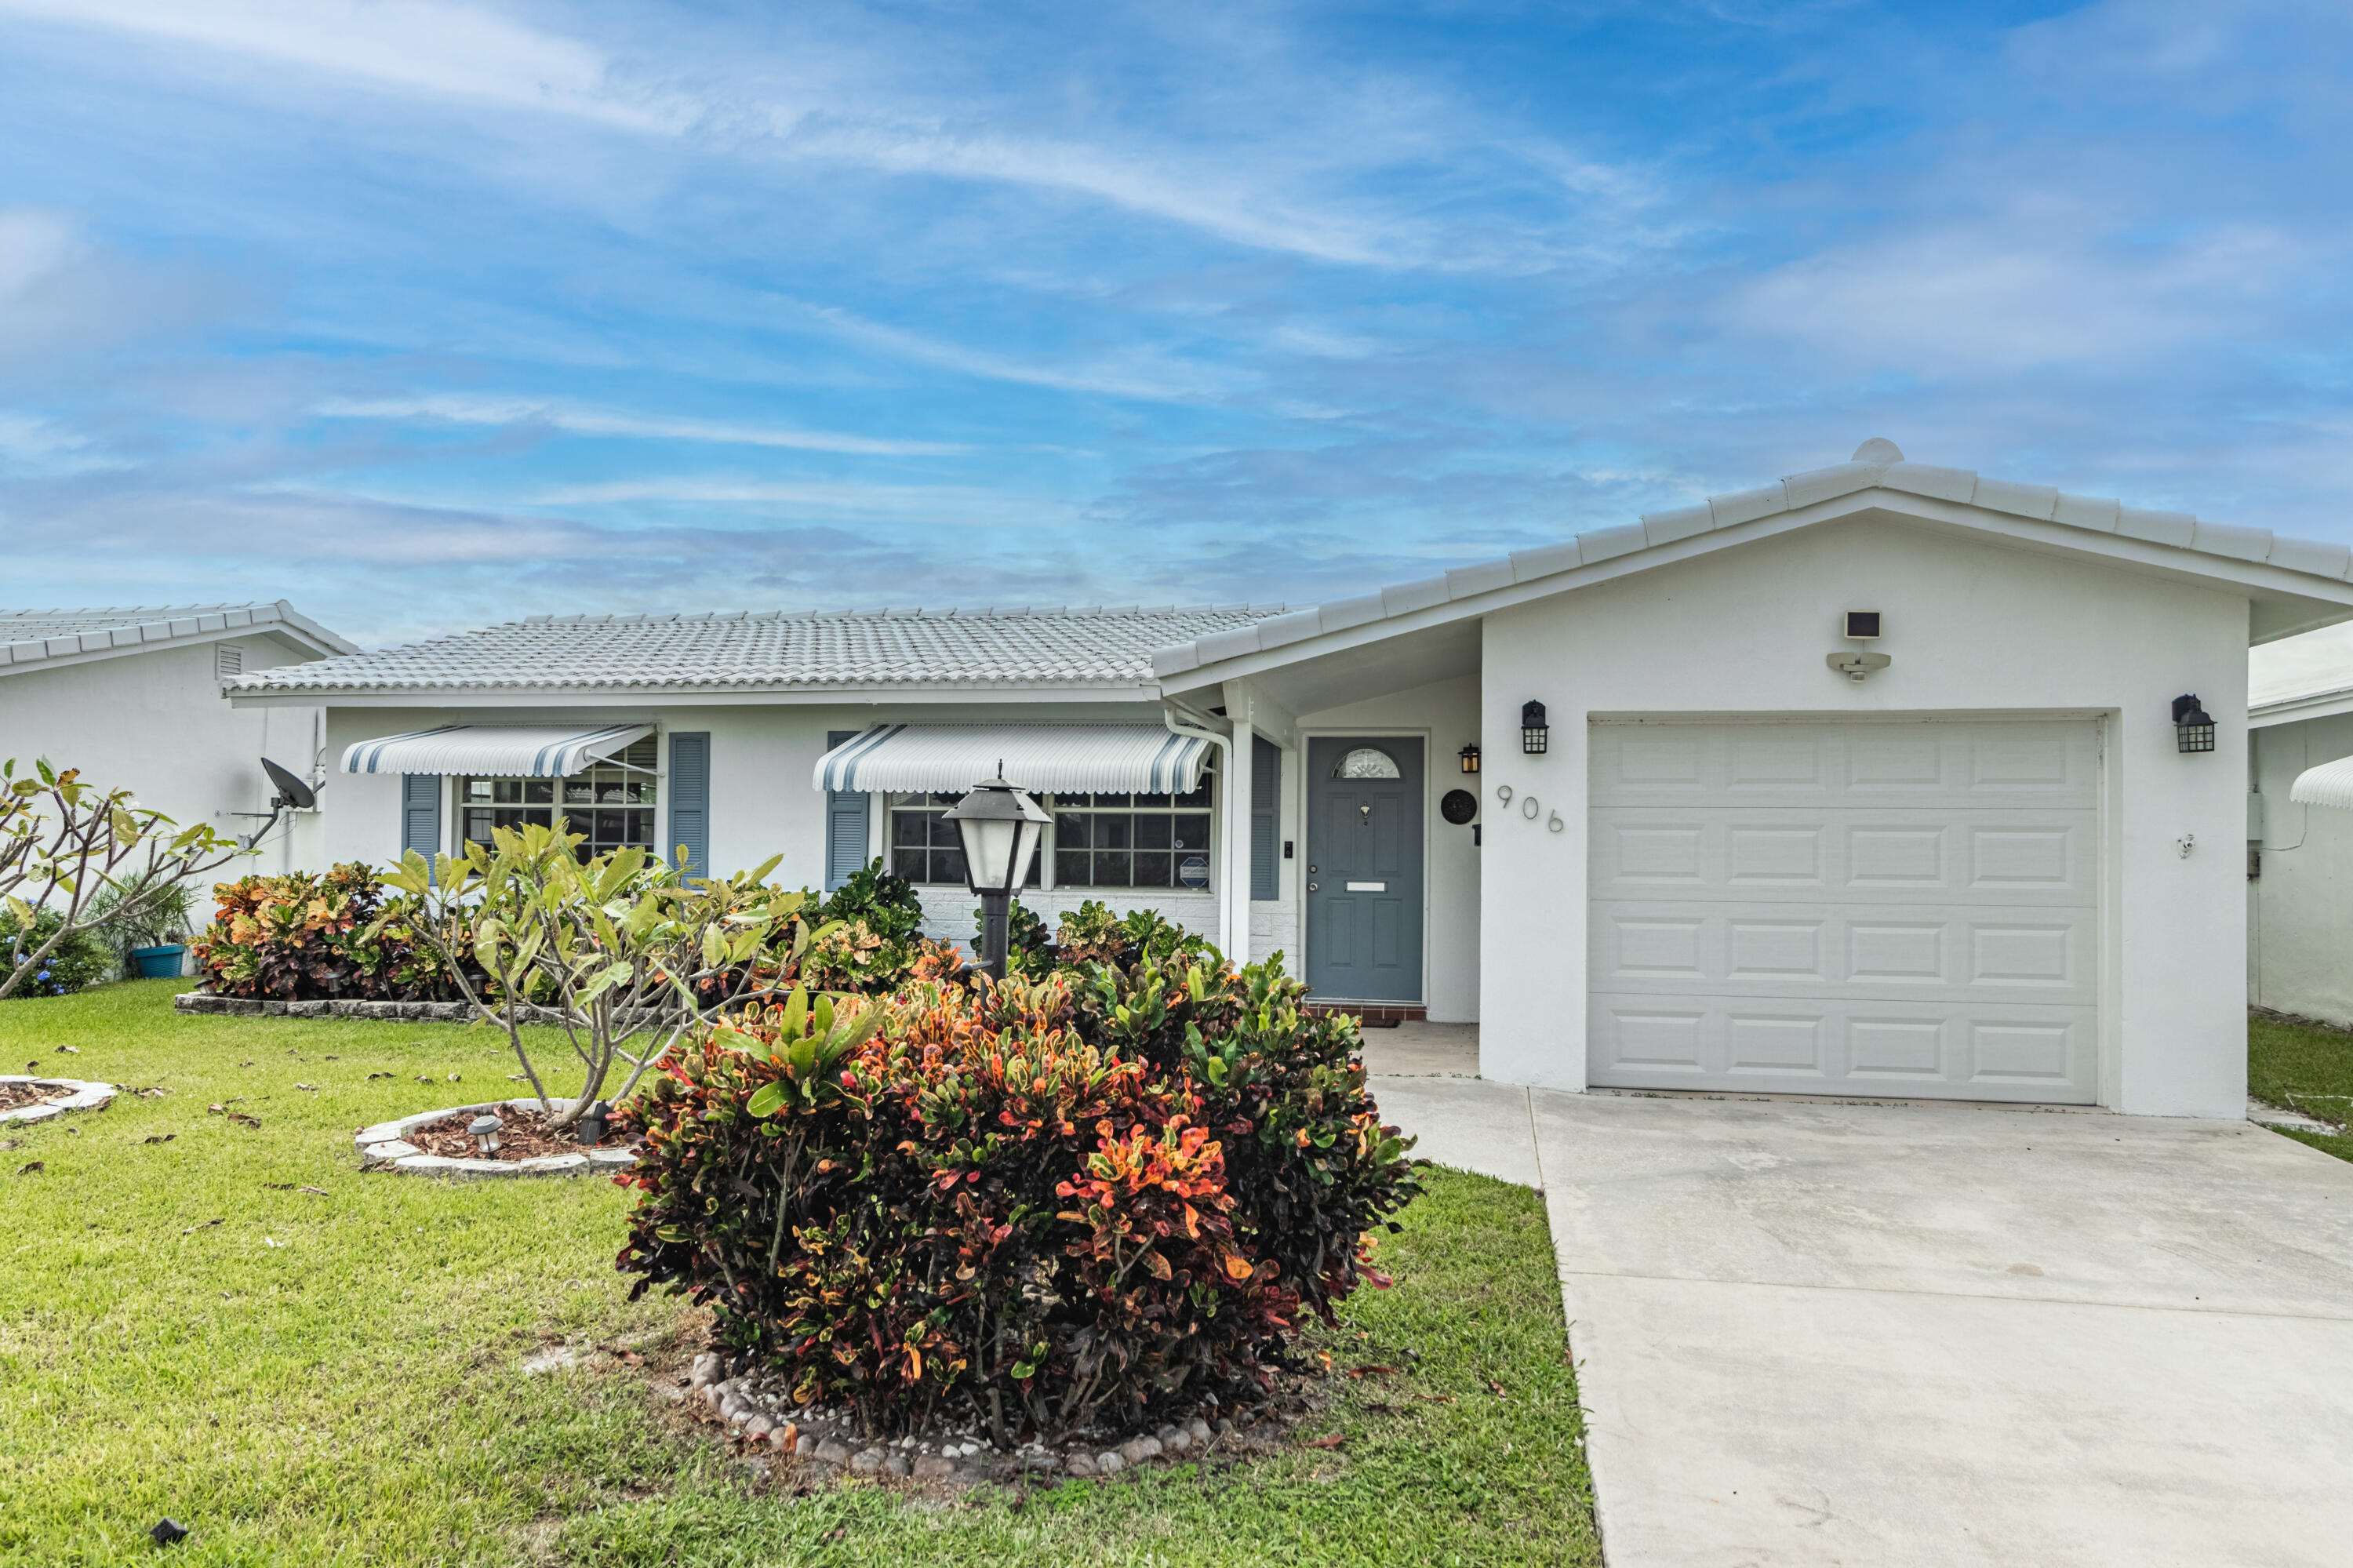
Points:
(307, 937)
(1082, 1199)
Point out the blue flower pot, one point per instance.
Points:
(159, 963)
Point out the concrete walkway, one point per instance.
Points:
(1815, 1333)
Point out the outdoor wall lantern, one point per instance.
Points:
(2193, 726)
(1470, 754)
(1536, 736)
(486, 1130)
(1000, 826)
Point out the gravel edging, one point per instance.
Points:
(384, 1147)
(85, 1096)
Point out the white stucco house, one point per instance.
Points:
(1865, 781)
(2299, 834)
(133, 696)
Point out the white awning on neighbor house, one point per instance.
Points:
(500, 750)
(2330, 784)
(953, 758)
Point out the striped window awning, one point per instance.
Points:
(497, 750)
(952, 758)
(2330, 784)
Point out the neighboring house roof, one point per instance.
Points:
(2294, 572)
(2304, 677)
(51, 637)
(1068, 651)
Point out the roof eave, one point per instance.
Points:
(2331, 601)
(446, 696)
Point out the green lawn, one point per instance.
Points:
(2305, 1068)
(338, 1378)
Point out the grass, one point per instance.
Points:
(2306, 1067)
(337, 1378)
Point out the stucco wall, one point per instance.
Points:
(1445, 713)
(2300, 910)
(1972, 628)
(155, 722)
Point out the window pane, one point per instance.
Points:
(1151, 868)
(1199, 797)
(609, 827)
(1365, 762)
(539, 791)
(944, 832)
(641, 827)
(1152, 833)
(579, 792)
(1111, 831)
(1191, 830)
(478, 788)
(908, 827)
(1069, 831)
(1111, 799)
(1142, 801)
(947, 866)
(1071, 869)
(1113, 869)
(912, 864)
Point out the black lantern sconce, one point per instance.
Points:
(1536, 735)
(590, 1128)
(2193, 726)
(1470, 754)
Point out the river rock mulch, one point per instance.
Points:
(821, 1443)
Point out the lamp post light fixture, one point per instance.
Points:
(1536, 735)
(1470, 754)
(1001, 827)
(2193, 726)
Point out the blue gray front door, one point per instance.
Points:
(1363, 868)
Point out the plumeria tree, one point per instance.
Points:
(622, 953)
(63, 841)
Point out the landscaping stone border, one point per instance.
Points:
(205, 1002)
(385, 1146)
(85, 1096)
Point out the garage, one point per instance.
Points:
(1883, 907)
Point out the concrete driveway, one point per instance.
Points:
(1821, 1333)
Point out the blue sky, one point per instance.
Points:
(424, 313)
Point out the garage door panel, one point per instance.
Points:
(1863, 908)
(1997, 1052)
(2024, 856)
(1773, 762)
(1853, 950)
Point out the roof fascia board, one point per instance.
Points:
(496, 697)
(2061, 538)
(2295, 710)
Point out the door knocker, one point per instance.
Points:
(1366, 812)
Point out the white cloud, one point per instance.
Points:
(33, 245)
(1152, 379)
(462, 409)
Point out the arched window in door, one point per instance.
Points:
(1365, 762)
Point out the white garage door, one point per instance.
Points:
(1893, 909)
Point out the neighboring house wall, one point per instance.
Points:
(154, 721)
(2300, 907)
(1972, 628)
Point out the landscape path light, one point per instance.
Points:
(1001, 827)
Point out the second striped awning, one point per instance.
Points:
(512, 750)
(952, 758)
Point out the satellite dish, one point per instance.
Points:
(291, 791)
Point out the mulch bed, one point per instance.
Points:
(526, 1136)
(17, 1096)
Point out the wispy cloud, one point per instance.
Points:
(457, 409)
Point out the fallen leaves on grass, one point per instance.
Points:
(1372, 1371)
(30, 1166)
(312, 1087)
(204, 1225)
(1436, 1398)
(70, 1050)
(1333, 1441)
(290, 1187)
(156, 1093)
(244, 1120)
(373, 1076)
(159, 1138)
(1496, 1389)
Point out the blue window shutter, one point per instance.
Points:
(690, 800)
(420, 814)
(845, 824)
(1266, 818)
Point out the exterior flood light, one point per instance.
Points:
(1000, 826)
(1470, 754)
(1536, 735)
(2193, 726)
(1861, 626)
(486, 1130)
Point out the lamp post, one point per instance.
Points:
(1000, 826)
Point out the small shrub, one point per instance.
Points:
(1088, 1200)
(80, 958)
(885, 904)
(306, 938)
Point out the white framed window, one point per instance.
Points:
(613, 802)
(1101, 840)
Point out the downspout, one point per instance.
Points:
(1182, 718)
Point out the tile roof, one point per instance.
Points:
(1072, 649)
(1877, 464)
(33, 636)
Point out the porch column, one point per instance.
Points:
(1234, 885)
